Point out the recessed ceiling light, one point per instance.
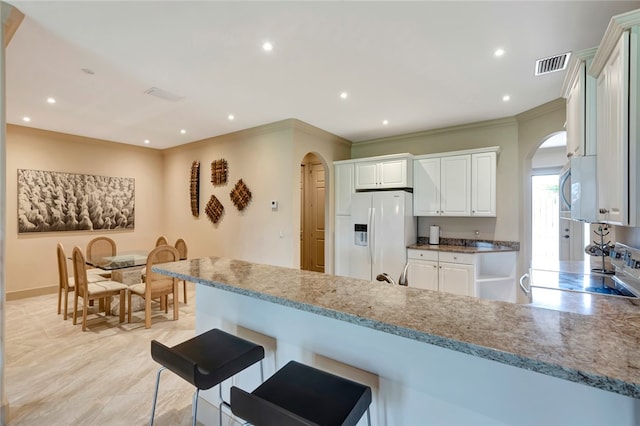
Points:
(51, 100)
(231, 117)
(506, 98)
(26, 119)
(344, 95)
(385, 122)
(267, 46)
(146, 141)
(183, 131)
(498, 53)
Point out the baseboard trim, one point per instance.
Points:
(32, 292)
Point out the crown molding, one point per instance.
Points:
(617, 25)
(549, 107)
(575, 63)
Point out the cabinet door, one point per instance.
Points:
(366, 175)
(612, 135)
(393, 174)
(483, 184)
(456, 278)
(423, 274)
(426, 187)
(455, 185)
(576, 114)
(344, 187)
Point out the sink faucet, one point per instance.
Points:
(403, 280)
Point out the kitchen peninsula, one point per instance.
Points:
(437, 358)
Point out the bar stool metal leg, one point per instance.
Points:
(224, 403)
(155, 394)
(194, 404)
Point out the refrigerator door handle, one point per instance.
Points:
(371, 234)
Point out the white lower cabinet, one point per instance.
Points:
(456, 278)
(489, 275)
(423, 269)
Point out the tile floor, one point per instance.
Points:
(55, 374)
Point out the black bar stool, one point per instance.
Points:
(205, 361)
(299, 395)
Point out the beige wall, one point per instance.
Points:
(267, 159)
(30, 258)
(502, 133)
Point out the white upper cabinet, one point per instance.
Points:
(455, 185)
(575, 114)
(483, 184)
(384, 173)
(579, 89)
(344, 187)
(459, 183)
(426, 186)
(616, 66)
(612, 136)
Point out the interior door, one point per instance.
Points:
(316, 217)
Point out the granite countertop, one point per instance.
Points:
(598, 349)
(459, 245)
(461, 249)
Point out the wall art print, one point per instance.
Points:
(55, 201)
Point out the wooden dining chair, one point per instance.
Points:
(93, 291)
(100, 247)
(181, 246)
(157, 285)
(65, 282)
(162, 241)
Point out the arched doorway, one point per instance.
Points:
(554, 236)
(312, 213)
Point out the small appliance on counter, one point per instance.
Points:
(434, 234)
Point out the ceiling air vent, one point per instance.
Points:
(162, 94)
(552, 63)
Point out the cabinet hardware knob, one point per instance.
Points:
(603, 210)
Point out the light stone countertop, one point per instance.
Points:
(598, 348)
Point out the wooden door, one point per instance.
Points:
(312, 217)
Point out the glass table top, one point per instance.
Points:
(126, 259)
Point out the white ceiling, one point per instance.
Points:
(419, 65)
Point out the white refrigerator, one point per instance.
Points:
(382, 226)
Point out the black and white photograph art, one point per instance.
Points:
(55, 201)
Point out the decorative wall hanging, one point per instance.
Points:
(214, 209)
(194, 188)
(219, 171)
(55, 201)
(240, 195)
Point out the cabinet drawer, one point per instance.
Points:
(457, 257)
(422, 254)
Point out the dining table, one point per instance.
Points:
(125, 267)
